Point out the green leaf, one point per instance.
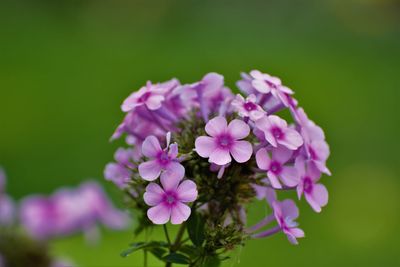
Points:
(176, 258)
(211, 261)
(143, 245)
(190, 251)
(195, 226)
(158, 252)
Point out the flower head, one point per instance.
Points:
(168, 201)
(248, 107)
(276, 131)
(314, 192)
(276, 167)
(224, 141)
(161, 161)
(285, 214)
(119, 172)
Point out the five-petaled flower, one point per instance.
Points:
(265, 83)
(276, 131)
(276, 168)
(224, 141)
(314, 192)
(168, 201)
(285, 213)
(151, 95)
(162, 161)
(248, 107)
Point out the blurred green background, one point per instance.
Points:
(66, 66)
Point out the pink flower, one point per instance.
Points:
(285, 213)
(276, 169)
(248, 107)
(315, 193)
(161, 160)
(276, 132)
(224, 141)
(151, 95)
(314, 138)
(168, 201)
(265, 83)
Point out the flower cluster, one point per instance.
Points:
(27, 227)
(227, 150)
(69, 211)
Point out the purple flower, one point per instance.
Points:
(314, 138)
(162, 161)
(151, 95)
(285, 213)
(168, 201)
(248, 107)
(315, 193)
(276, 132)
(265, 83)
(224, 141)
(69, 211)
(275, 166)
(120, 172)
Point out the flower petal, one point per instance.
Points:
(149, 170)
(263, 159)
(292, 139)
(159, 214)
(172, 175)
(289, 176)
(289, 209)
(220, 156)
(151, 146)
(241, 151)
(274, 180)
(238, 129)
(216, 126)
(187, 191)
(154, 102)
(281, 154)
(153, 195)
(205, 145)
(318, 197)
(179, 213)
(261, 86)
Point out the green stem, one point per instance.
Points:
(145, 258)
(166, 234)
(177, 243)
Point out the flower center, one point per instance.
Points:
(170, 198)
(143, 98)
(307, 184)
(163, 158)
(275, 167)
(277, 133)
(225, 141)
(249, 106)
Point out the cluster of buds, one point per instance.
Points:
(198, 154)
(26, 228)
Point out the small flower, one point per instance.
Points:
(285, 213)
(151, 95)
(224, 141)
(161, 160)
(314, 138)
(248, 107)
(168, 201)
(276, 169)
(315, 193)
(265, 83)
(119, 172)
(276, 132)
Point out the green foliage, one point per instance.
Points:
(195, 227)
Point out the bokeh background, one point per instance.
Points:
(66, 66)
